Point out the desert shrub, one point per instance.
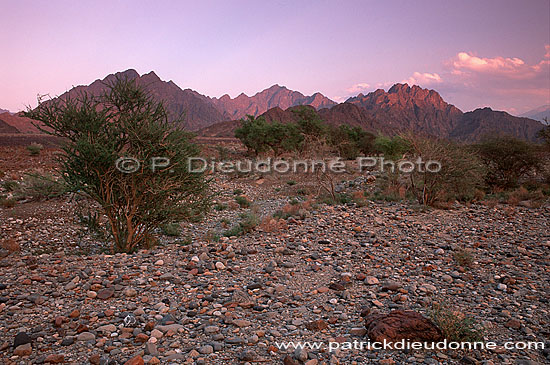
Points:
(460, 175)
(35, 149)
(455, 325)
(309, 122)
(236, 230)
(258, 136)
(350, 142)
(7, 202)
(212, 236)
(507, 160)
(10, 185)
(291, 182)
(238, 192)
(223, 153)
(41, 186)
(242, 201)
(171, 229)
(220, 206)
(464, 257)
(249, 221)
(544, 135)
(393, 148)
(535, 197)
(126, 122)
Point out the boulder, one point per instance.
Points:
(398, 325)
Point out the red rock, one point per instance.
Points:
(55, 359)
(74, 314)
(399, 324)
(142, 338)
(94, 359)
(105, 293)
(317, 325)
(136, 360)
(23, 350)
(58, 321)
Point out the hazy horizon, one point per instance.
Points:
(494, 53)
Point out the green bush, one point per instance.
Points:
(125, 122)
(38, 187)
(7, 202)
(242, 201)
(460, 177)
(507, 160)
(10, 185)
(393, 148)
(35, 149)
(455, 326)
(171, 229)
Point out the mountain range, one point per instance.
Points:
(539, 113)
(402, 108)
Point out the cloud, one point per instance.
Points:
(467, 64)
(358, 88)
(423, 79)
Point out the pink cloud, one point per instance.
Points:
(358, 88)
(423, 79)
(467, 64)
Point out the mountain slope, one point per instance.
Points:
(196, 109)
(539, 113)
(480, 123)
(275, 96)
(404, 108)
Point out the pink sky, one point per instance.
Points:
(475, 53)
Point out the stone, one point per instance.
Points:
(241, 323)
(220, 265)
(21, 338)
(151, 349)
(106, 293)
(317, 325)
(248, 355)
(130, 292)
(156, 333)
(136, 360)
(399, 325)
(206, 349)
(54, 359)
(23, 350)
(85, 336)
(371, 280)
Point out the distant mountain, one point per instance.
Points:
(413, 108)
(200, 111)
(400, 109)
(539, 113)
(197, 110)
(2, 111)
(19, 122)
(5, 127)
(275, 96)
(403, 108)
(484, 122)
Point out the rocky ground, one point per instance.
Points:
(195, 301)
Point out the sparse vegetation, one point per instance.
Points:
(242, 201)
(171, 229)
(464, 257)
(455, 325)
(507, 160)
(35, 149)
(124, 121)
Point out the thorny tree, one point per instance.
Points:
(125, 121)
